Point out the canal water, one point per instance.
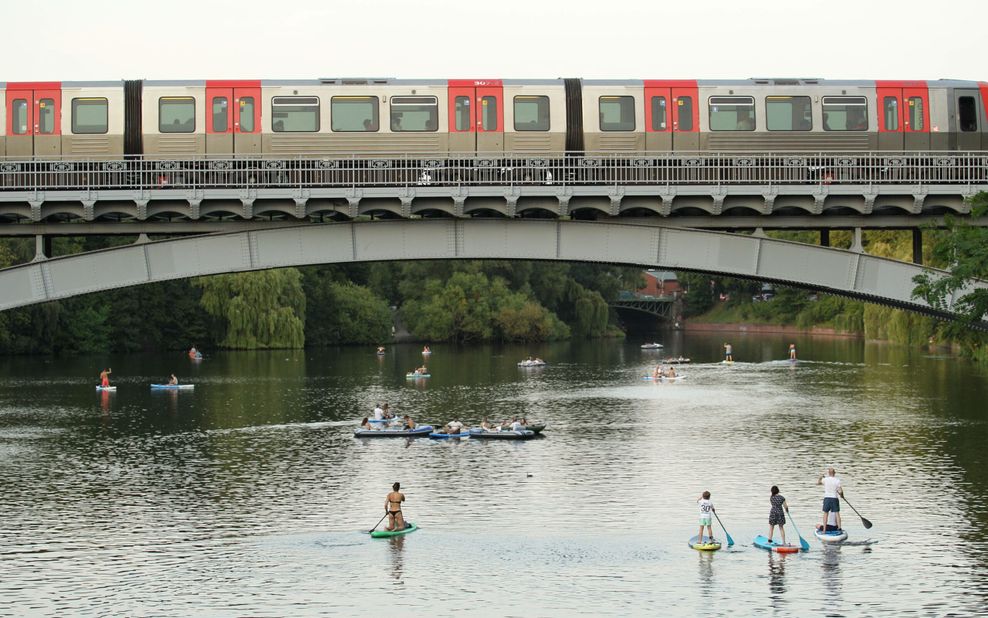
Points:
(250, 495)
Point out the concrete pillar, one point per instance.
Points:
(759, 233)
(42, 247)
(857, 245)
(917, 246)
(824, 238)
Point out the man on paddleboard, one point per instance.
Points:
(104, 377)
(392, 506)
(832, 491)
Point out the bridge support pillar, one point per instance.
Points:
(248, 208)
(769, 204)
(818, 204)
(718, 205)
(759, 233)
(300, 203)
(869, 204)
(194, 209)
(615, 205)
(88, 210)
(857, 245)
(142, 209)
(511, 205)
(354, 204)
(42, 248)
(917, 246)
(141, 239)
(563, 205)
(918, 205)
(36, 211)
(824, 238)
(406, 207)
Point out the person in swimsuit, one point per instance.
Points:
(392, 506)
(387, 412)
(409, 423)
(776, 517)
(173, 380)
(366, 424)
(104, 377)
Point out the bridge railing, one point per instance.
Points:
(500, 170)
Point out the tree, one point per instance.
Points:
(339, 313)
(257, 310)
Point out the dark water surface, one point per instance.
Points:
(249, 496)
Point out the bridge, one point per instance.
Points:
(662, 307)
(837, 271)
(643, 209)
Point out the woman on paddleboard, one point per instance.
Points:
(776, 516)
(392, 506)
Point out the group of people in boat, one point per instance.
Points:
(779, 507)
(513, 424)
(386, 419)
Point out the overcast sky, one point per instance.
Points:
(222, 39)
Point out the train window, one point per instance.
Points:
(177, 114)
(247, 114)
(89, 116)
(684, 116)
(46, 116)
(295, 114)
(890, 109)
(617, 113)
(845, 114)
(788, 114)
(488, 113)
(659, 121)
(221, 114)
(531, 113)
(732, 113)
(414, 114)
(18, 117)
(355, 114)
(461, 113)
(968, 116)
(915, 108)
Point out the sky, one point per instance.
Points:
(615, 39)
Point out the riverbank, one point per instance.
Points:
(785, 329)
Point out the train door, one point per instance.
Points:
(476, 116)
(903, 116)
(685, 119)
(34, 120)
(967, 126)
(234, 118)
(658, 119)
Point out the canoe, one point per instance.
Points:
(704, 544)
(449, 436)
(504, 434)
(381, 534)
(109, 389)
(416, 376)
(664, 378)
(833, 536)
(423, 430)
(773, 545)
(174, 387)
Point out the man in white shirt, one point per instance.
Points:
(378, 412)
(832, 489)
(455, 426)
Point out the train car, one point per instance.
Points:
(92, 123)
(613, 116)
(536, 117)
(173, 115)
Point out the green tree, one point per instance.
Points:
(257, 310)
(340, 313)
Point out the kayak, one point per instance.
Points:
(832, 536)
(774, 545)
(449, 436)
(664, 378)
(705, 544)
(381, 534)
(109, 389)
(504, 434)
(726, 362)
(424, 430)
(174, 387)
(415, 376)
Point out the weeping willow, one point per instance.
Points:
(257, 310)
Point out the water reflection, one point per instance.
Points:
(831, 573)
(777, 579)
(706, 571)
(397, 551)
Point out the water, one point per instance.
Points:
(250, 495)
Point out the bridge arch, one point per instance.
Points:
(848, 273)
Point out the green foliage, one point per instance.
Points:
(257, 310)
(342, 313)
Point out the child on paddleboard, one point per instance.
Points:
(776, 516)
(706, 514)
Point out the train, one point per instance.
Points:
(485, 117)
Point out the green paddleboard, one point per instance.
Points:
(380, 534)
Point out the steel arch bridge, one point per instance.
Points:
(848, 273)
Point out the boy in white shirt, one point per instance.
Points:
(706, 514)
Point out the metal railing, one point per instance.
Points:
(500, 170)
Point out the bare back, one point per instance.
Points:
(394, 500)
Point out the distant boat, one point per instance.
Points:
(652, 346)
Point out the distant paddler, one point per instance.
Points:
(104, 377)
(792, 351)
(172, 381)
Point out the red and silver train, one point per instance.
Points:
(179, 119)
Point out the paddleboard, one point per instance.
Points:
(705, 544)
(380, 534)
(774, 545)
(415, 376)
(833, 536)
(174, 387)
(726, 362)
(109, 389)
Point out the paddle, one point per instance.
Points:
(802, 542)
(864, 522)
(377, 524)
(730, 541)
